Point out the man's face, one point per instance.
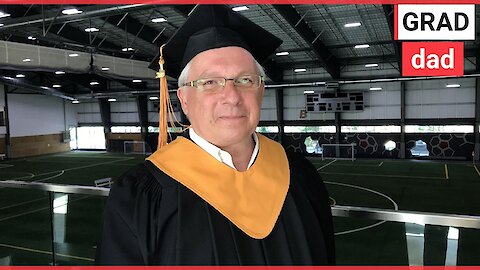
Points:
(228, 116)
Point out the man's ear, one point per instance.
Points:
(183, 100)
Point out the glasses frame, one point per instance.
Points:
(195, 82)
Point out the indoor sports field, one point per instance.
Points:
(427, 186)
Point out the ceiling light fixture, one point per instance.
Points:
(127, 49)
(3, 14)
(75, 101)
(94, 83)
(137, 81)
(27, 60)
(153, 98)
(371, 65)
(375, 88)
(159, 20)
(91, 29)
(73, 55)
(1, 24)
(355, 24)
(453, 85)
(71, 11)
(309, 92)
(361, 46)
(20, 76)
(112, 99)
(31, 38)
(56, 86)
(240, 8)
(300, 70)
(105, 68)
(281, 53)
(59, 72)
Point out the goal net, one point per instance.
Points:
(338, 151)
(136, 148)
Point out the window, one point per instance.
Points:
(91, 138)
(308, 129)
(170, 129)
(439, 129)
(370, 129)
(125, 129)
(267, 129)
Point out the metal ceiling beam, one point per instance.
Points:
(328, 60)
(389, 15)
(34, 87)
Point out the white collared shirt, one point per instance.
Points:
(219, 154)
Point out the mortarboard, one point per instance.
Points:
(210, 27)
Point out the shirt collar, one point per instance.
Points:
(219, 154)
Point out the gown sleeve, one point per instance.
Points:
(122, 233)
(312, 184)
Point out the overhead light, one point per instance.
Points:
(91, 29)
(300, 70)
(361, 46)
(137, 81)
(105, 68)
(127, 49)
(32, 37)
(94, 83)
(27, 60)
(281, 53)
(75, 101)
(73, 55)
(71, 11)
(159, 20)
(309, 92)
(59, 72)
(240, 8)
(112, 99)
(375, 88)
(3, 14)
(371, 65)
(56, 86)
(153, 98)
(453, 85)
(355, 24)
(1, 24)
(20, 76)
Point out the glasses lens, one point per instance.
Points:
(248, 81)
(210, 84)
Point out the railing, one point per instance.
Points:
(417, 224)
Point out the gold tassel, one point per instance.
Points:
(166, 108)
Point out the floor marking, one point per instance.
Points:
(326, 165)
(22, 203)
(446, 172)
(395, 205)
(385, 175)
(379, 165)
(42, 209)
(47, 252)
(2, 166)
(476, 169)
(51, 177)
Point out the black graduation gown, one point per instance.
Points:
(151, 219)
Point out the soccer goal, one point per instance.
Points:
(136, 148)
(339, 151)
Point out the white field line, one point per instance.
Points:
(326, 165)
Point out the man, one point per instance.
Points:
(221, 195)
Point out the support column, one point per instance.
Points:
(280, 116)
(402, 120)
(142, 107)
(477, 117)
(338, 126)
(106, 118)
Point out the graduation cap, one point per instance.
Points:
(207, 27)
(210, 27)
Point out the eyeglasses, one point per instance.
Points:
(242, 82)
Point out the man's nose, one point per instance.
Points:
(231, 93)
